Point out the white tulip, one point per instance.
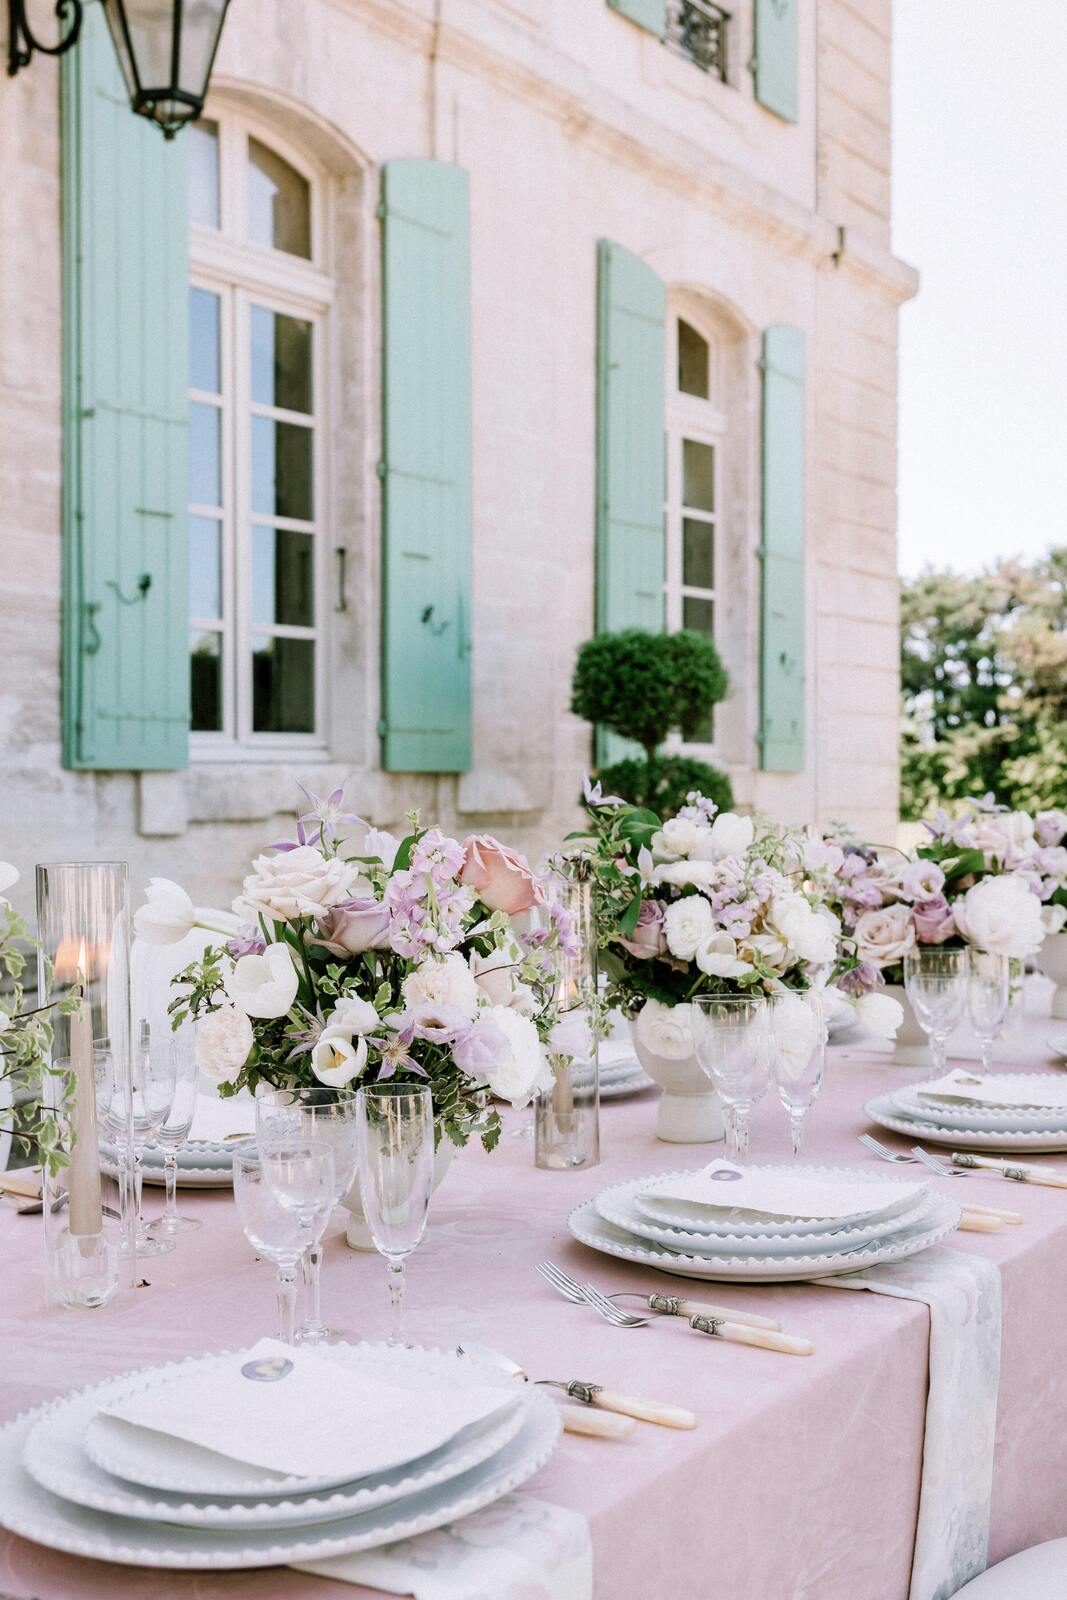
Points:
(880, 1012)
(337, 1059)
(352, 1015)
(167, 915)
(718, 958)
(266, 985)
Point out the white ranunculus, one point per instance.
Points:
(266, 985)
(687, 924)
(336, 1058)
(167, 915)
(797, 1031)
(665, 1030)
(880, 1012)
(718, 958)
(352, 1015)
(223, 1040)
(1054, 918)
(731, 835)
(298, 883)
(885, 936)
(809, 935)
(442, 981)
(679, 837)
(1001, 915)
(526, 1069)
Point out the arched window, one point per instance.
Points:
(258, 302)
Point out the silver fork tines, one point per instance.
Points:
(883, 1150)
(942, 1169)
(562, 1282)
(611, 1313)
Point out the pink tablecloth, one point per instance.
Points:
(801, 1482)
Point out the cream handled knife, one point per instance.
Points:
(591, 1394)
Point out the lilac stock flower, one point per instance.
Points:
(435, 853)
(564, 929)
(247, 941)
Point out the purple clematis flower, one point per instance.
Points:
(395, 1051)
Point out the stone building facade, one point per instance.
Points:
(579, 129)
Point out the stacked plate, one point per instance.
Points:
(764, 1224)
(619, 1071)
(971, 1110)
(400, 1441)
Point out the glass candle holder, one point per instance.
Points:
(87, 1152)
(567, 1116)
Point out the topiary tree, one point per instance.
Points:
(642, 686)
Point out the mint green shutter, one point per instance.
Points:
(782, 614)
(426, 468)
(650, 14)
(631, 421)
(125, 294)
(775, 56)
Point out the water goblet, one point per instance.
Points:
(151, 1092)
(988, 999)
(935, 980)
(395, 1131)
(175, 1130)
(798, 1045)
(731, 1041)
(284, 1198)
(322, 1113)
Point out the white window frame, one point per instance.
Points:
(690, 417)
(242, 273)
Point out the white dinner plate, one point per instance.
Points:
(694, 1218)
(589, 1228)
(883, 1111)
(29, 1510)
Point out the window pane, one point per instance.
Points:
(205, 568)
(204, 341)
(698, 475)
(203, 146)
(205, 657)
(698, 554)
(279, 203)
(698, 614)
(692, 361)
(281, 360)
(281, 469)
(283, 685)
(283, 577)
(205, 471)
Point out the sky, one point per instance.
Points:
(980, 208)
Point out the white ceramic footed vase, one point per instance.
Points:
(911, 1047)
(689, 1109)
(1052, 959)
(358, 1233)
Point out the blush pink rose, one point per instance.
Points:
(354, 926)
(502, 879)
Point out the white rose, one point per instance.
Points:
(665, 1030)
(1002, 916)
(885, 936)
(352, 1015)
(809, 935)
(880, 1012)
(526, 1070)
(797, 1030)
(168, 914)
(223, 1040)
(679, 837)
(266, 985)
(688, 924)
(336, 1059)
(446, 981)
(1054, 918)
(718, 957)
(298, 883)
(731, 835)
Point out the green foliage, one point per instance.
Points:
(984, 679)
(642, 685)
(25, 1041)
(663, 784)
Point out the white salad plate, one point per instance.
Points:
(884, 1111)
(745, 1224)
(28, 1509)
(589, 1228)
(961, 1114)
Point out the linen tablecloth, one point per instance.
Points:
(802, 1481)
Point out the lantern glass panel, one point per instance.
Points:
(201, 26)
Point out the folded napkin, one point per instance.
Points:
(216, 1120)
(972, 1088)
(317, 1418)
(808, 1196)
(518, 1548)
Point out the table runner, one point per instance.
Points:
(964, 1296)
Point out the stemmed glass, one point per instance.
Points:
(935, 980)
(321, 1113)
(731, 1039)
(987, 999)
(395, 1154)
(284, 1196)
(798, 1041)
(153, 1076)
(175, 1129)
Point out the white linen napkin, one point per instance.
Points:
(518, 1548)
(318, 1418)
(216, 1120)
(723, 1187)
(964, 1296)
(994, 1089)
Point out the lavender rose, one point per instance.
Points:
(934, 922)
(354, 926)
(648, 939)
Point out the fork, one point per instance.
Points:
(943, 1170)
(983, 1215)
(665, 1304)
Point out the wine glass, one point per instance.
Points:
(151, 1092)
(731, 1039)
(987, 999)
(284, 1198)
(175, 1129)
(798, 1041)
(935, 980)
(395, 1133)
(322, 1113)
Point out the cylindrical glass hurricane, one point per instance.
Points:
(567, 1116)
(87, 1147)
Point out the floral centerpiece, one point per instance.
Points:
(398, 961)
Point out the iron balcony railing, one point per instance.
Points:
(697, 29)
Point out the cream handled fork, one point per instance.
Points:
(592, 1394)
(976, 1218)
(667, 1305)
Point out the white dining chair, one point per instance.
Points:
(1039, 1573)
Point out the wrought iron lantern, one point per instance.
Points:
(166, 49)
